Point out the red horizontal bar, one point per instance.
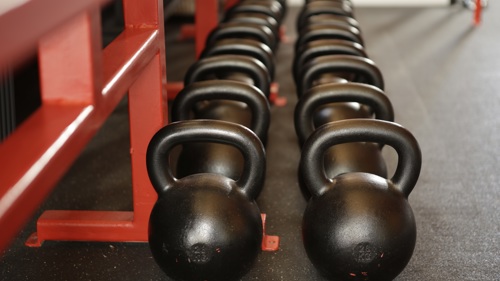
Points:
(125, 58)
(33, 159)
(106, 226)
(22, 27)
(103, 226)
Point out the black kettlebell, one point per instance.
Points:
(328, 31)
(330, 19)
(255, 18)
(320, 8)
(284, 6)
(324, 47)
(205, 226)
(232, 97)
(220, 66)
(270, 8)
(333, 102)
(359, 69)
(347, 2)
(360, 226)
(231, 101)
(245, 47)
(241, 30)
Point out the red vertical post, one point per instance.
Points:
(146, 118)
(477, 13)
(147, 106)
(230, 3)
(82, 81)
(148, 14)
(206, 19)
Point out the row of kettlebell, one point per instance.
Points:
(206, 224)
(358, 224)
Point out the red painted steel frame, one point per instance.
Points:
(81, 85)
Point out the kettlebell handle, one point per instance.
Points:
(227, 30)
(160, 174)
(224, 90)
(319, 31)
(339, 63)
(324, 47)
(246, 47)
(333, 8)
(339, 92)
(361, 130)
(230, 63)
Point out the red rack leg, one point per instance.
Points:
(269, 243)
(173, 88)
(477, 13)
(146, 117)
(230, 3)
(206, 18)
(187, 31)
(275, 98)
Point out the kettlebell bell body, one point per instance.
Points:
(205, 226)
(360, 226)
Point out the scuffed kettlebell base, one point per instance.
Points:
(205, 230)
(360, 229)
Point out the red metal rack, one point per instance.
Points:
(81, 85)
